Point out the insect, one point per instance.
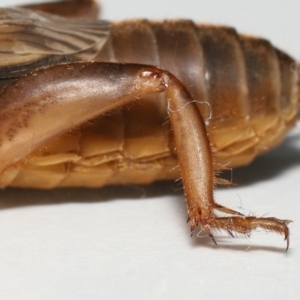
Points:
(83, 104)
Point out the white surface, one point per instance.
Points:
(115, 244)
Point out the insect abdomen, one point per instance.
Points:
(245, 89)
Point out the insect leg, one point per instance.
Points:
(53, 100)
(244, 225)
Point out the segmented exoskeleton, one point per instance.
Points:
(65, 122)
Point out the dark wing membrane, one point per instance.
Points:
(29, 40)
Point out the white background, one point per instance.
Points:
(132, 242)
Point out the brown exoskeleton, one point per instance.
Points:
(66, 119)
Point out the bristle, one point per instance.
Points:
(222, 181)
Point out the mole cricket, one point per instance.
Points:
(87, 102)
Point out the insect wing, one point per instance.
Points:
(29, 40)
